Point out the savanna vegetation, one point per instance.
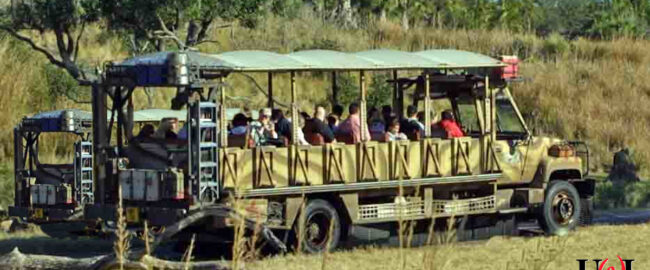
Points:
(586, 70)
(585, 63)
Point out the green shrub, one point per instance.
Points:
(632, 195)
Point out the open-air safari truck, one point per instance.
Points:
(52, 192)
(495, 173)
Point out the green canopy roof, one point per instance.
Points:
(381, 59)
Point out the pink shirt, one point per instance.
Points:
(352, 126)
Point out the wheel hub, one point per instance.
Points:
(563, 208)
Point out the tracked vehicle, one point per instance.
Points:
(494, 174)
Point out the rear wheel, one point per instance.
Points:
(562, 208)
(321, 227)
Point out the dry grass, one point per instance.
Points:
(496, 253)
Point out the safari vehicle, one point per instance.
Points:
(52, 192)
(57, 192)
(497, 172)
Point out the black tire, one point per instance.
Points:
(586, 211)
(562, 208)
(318, 216)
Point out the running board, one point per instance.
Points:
(513, 210)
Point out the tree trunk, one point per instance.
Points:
(405, 19)
(382, 15)
(346, 12)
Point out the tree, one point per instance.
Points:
(155, 21)
(28, 19)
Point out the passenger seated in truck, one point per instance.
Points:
(411, 124)
(282, 124)
(376, 124)
(167, 129)
(386, 113)
(315, 127)
(263, 131)
(449, 125)
(239, 124)
(145, 133)
(393, 134)
(351, 127)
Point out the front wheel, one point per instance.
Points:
(562, 208)
(320, 227)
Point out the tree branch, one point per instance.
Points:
(76, 51)
(34, 46)
(71, 44)
(259, 88)
(166, 34)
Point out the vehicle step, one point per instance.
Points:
(513, 210)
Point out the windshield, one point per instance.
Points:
(467, 116)
(507, 120)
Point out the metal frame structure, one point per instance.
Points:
(28, 169)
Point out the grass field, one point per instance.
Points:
(508, 253)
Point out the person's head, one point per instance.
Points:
(421, 117)
(332, 120)
(393, 125)
(337, 110)
(146, 131)
(264, 115)
(386, 110)
(411, 111)
(353, 108)
(305, 116)
(240, 120)
(447, 115)
(320, 113)
(170, 123)
(375, 115)
(276, 115)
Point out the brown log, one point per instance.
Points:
(17, 260)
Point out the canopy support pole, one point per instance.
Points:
(363, 107)
(99, 100)
(223, 123)
(270, 86)
(294, 111)
(395, 92)
(335, 89)
(427, 107)
(493, 133)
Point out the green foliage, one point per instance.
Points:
(632, 195)
(348, 89)
(555, 46)
(380, 92)
(60, 85)
(6, 185)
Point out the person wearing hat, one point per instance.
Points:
(263, 130)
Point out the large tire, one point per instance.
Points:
(587, 211)
(318, 216)
(562, 208)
